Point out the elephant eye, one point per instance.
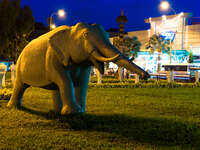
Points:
(85, 35)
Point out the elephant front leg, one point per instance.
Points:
(67, 94)
(70, 105)
(81, 88)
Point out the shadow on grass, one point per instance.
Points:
(158, 131)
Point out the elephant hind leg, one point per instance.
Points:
(57, 102)
(18, 91)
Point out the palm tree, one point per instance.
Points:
(190, 59)
(158, 43)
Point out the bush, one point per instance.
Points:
(112, 79)
(112, 82)
(156, 84)
(5, 94)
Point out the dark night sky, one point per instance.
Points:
(104, 12)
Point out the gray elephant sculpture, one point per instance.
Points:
(61, 60)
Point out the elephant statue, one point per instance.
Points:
(61, 61)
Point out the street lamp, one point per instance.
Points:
(165, 6)
(52, 26)
(60, 13)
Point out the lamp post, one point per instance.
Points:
(60, 13)
(164, 6)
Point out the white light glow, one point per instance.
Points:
(164, 5)
(53, 26)
(61, 13)
(181, 14)
(164, 17)
(150, 19)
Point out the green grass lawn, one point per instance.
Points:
(119, 118)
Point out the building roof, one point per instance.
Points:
(187, 15)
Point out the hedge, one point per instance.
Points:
(114, 80)
(145, 85)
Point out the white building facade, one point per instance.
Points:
(185, 39)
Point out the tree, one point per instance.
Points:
(131, 46)
(15, 26)
(190, 59)
(157, 43)
(39, 29)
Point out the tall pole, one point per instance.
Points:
(121, 20)
(60, 13)
(170, 51)
(50, 22)
(164, 6)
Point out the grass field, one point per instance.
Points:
(131, 119)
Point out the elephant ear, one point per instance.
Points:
(57, 40)
(79, 26)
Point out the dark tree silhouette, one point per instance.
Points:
(131, 46)
(15, 26)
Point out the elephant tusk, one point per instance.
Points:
(98, 57)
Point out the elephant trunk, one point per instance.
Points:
(123, 61)
(126, 63)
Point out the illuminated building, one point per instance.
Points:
(185, 39)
